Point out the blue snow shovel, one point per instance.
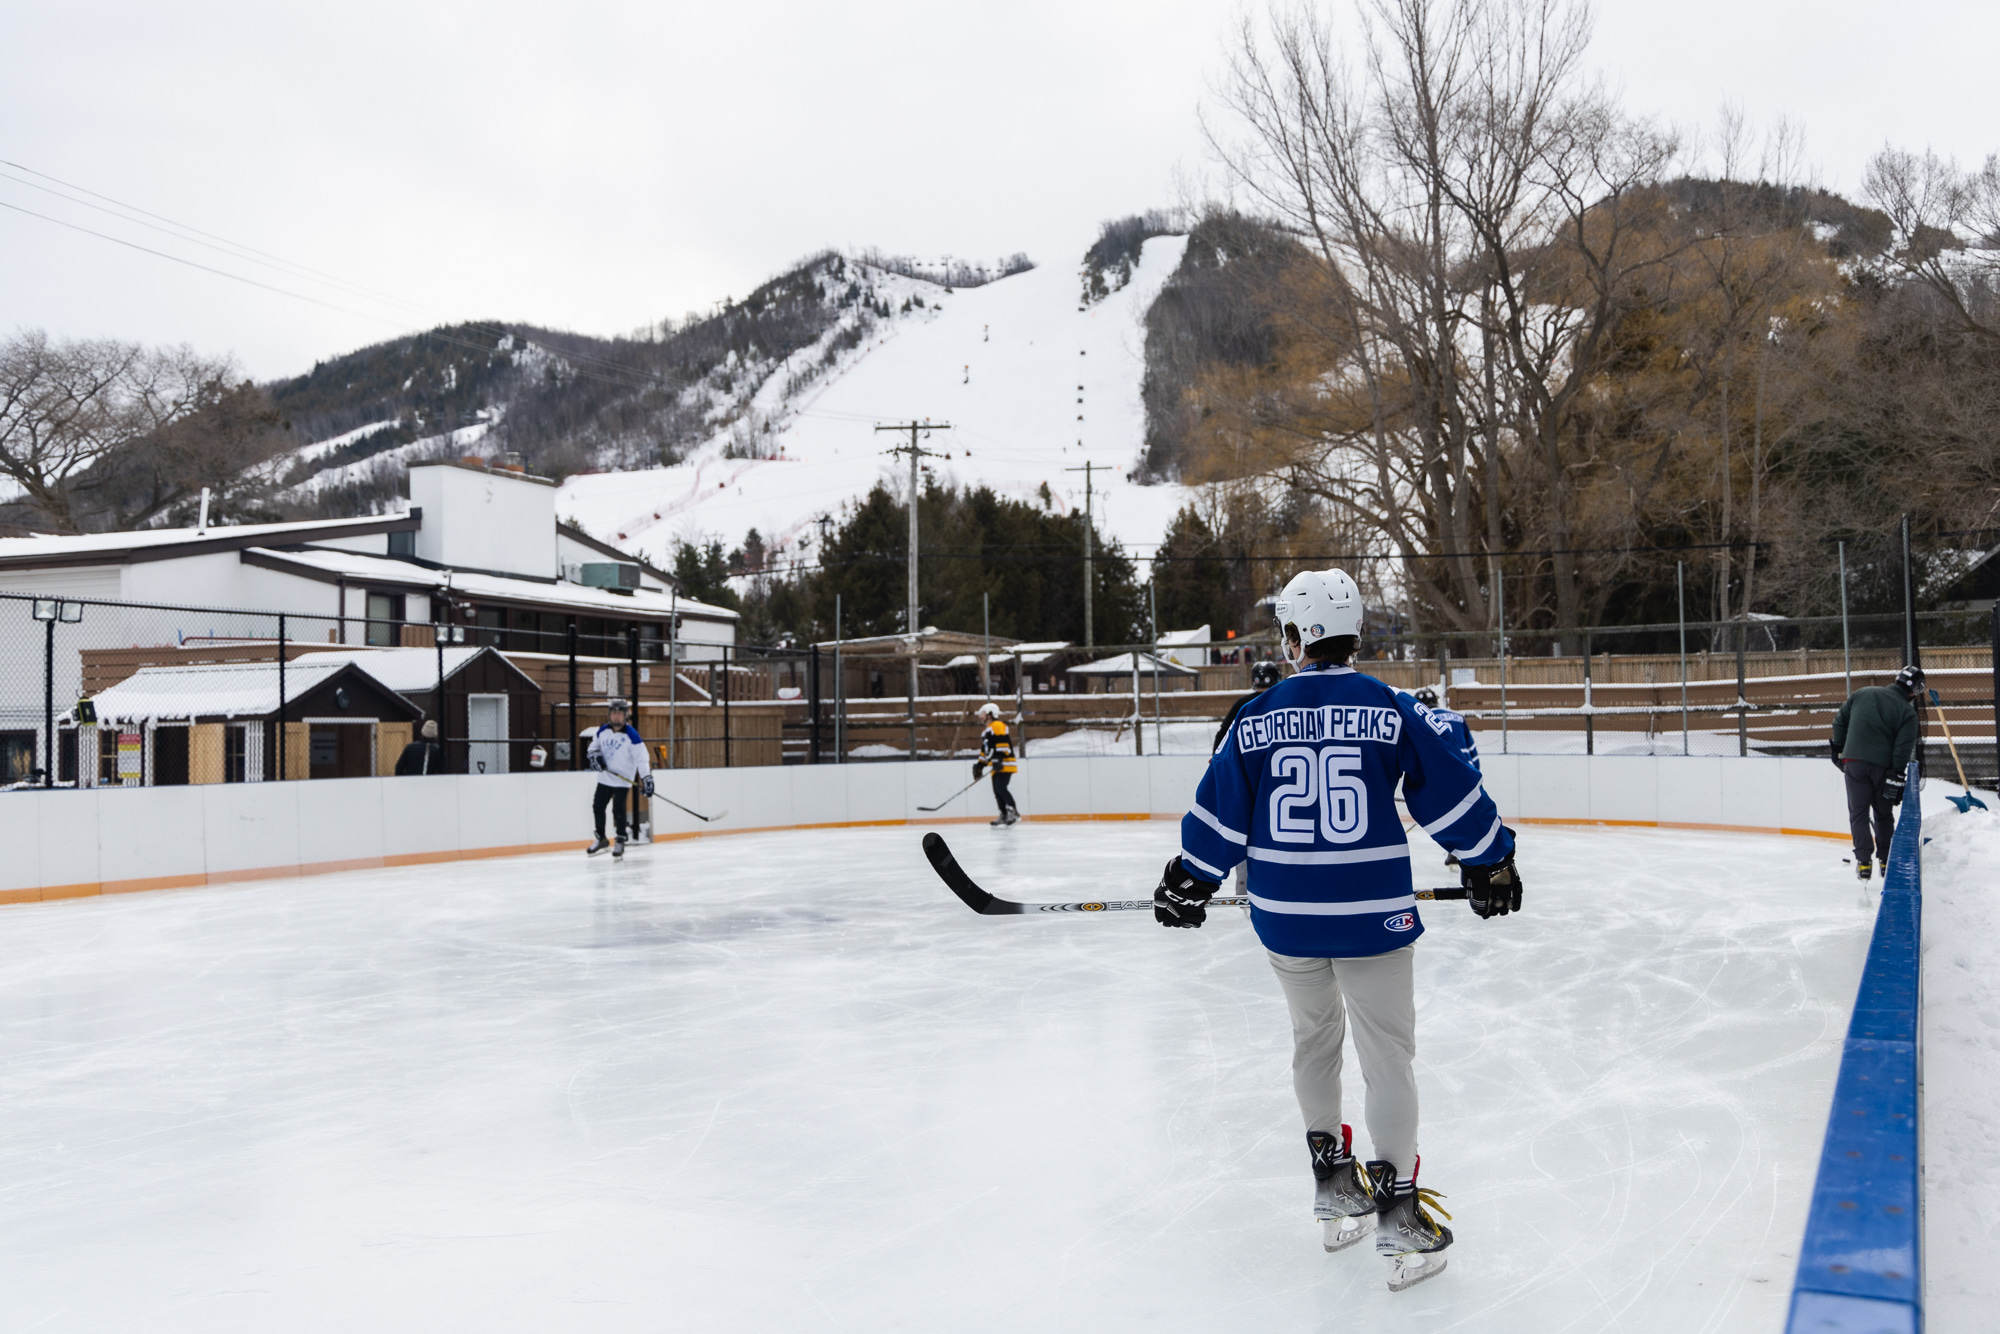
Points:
(1968, 801)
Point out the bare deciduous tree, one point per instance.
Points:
(104, 434)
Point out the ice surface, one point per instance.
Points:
(786, 1081)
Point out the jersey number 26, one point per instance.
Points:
(1320, 791)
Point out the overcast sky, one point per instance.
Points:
(599, 166)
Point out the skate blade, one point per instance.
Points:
(1409, 1270)
(1335, 1237)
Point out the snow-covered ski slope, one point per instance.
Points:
(1030, 383)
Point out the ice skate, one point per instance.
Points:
(1862, 871)
(1405, 1232)
(597, 845)
(1342, 1192)
(618, 848)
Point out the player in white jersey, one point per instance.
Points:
(619, 757)
(1304, 789)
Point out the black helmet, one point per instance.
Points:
(1426, 697)
(1910, 680)
(1264, 675)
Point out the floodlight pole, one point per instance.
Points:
(1680, 596)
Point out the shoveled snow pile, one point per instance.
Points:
(1031, 383)
(1961, 1068)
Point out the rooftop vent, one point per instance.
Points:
(609, 574)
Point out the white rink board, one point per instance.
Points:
(785, 1081)
(66, 844)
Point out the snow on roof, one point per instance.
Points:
(213, 690)
(385, 568)
(1122, 664)
(47, 544)
(1198, 635)
(403, 670)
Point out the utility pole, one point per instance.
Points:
(910, 623)
(1089, 624)
(917, 453)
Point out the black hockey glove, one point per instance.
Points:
(1182, 898)
(1493, 890)
(1892, 788)
(593, 760)
(1834, 746)
(646, 785)
(978, 770)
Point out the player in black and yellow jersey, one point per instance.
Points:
(996, 752)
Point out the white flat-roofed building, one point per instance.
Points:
(479, 549)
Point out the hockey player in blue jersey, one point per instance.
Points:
(1304, 788)
(619, 757)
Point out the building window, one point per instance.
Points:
(402, 544)
(385, 617)
(235, 766)
(17, 756)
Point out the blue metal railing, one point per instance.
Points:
(1861, 1268)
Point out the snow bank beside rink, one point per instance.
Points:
(1961, 1088)
(69, 844)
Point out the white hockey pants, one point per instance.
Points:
(1380, 992)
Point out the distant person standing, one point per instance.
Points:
(996, 752)
(423, 756)
(619, 757)
(1874, 736)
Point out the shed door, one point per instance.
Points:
(486, 731)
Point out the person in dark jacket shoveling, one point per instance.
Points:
(1874, 736)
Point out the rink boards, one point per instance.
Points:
(66, 843)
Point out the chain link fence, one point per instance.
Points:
(99, 692)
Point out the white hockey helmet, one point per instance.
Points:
(1319, 604)
(989, 710)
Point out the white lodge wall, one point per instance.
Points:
(67, 844)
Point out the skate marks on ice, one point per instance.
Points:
(785, 1081)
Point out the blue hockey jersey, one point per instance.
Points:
(1305, 788)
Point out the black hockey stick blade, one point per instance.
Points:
(961, 884)
(991, 905)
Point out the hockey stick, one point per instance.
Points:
(990, 905)
(954, 796)
(706, 819)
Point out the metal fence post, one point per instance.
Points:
(1589, 718)
(1742, 703)
(1500, 597)
(1680, 598)
(812, 684)
(49, 699)
(1909, 602)
(569, 639)
(1846, 651)
(1996, 684)
(281, 699)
